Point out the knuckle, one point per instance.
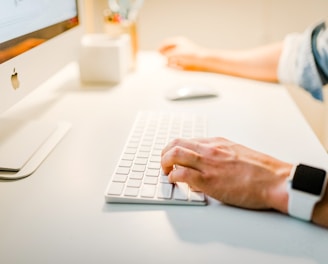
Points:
(175, 141)
(213, 151)
(205, 176)
(176, 151)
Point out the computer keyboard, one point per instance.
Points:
(138, 177)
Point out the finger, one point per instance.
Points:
(183, 61)
(168, 45)
(166, 48)
(180, 156)
(186, 175)
(177, 147)
(177, 61)
(174, 63)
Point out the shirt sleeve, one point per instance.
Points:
(304, 60)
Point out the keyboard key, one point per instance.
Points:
(150, 180)
(141, 161)
(163, 179)
(125, 163)
(164, 191)
(131, 151)
(128, 157)
(143, 155)
(116, 188)
(156, 152)
(134, 183)
(148, 190)
(138, 167)
(122, 170)
(155, 159)
(197, 196)
(154, 165)
(129, 191)
(180, 191)
(152, 173)
(120, 178)
(138, 175)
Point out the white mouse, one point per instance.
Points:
(191, 91)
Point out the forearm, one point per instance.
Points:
(259, 64)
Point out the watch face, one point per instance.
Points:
(308, 179)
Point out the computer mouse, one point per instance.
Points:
(191, 91)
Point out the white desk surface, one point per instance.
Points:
(58, 214)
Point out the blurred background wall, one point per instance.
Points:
(227, 24)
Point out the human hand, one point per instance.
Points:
(183, 54)
(228, 172)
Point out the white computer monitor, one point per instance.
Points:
(37, 38)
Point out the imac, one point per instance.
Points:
(37, 38)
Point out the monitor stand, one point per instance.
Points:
(24, 145)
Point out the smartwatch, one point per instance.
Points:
(307, 186)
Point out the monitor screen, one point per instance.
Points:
(24, 25)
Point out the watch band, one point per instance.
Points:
(301, 205)
(306, 188)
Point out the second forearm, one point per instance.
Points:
(259, 64)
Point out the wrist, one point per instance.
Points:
(278, 194)
(320, 212)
